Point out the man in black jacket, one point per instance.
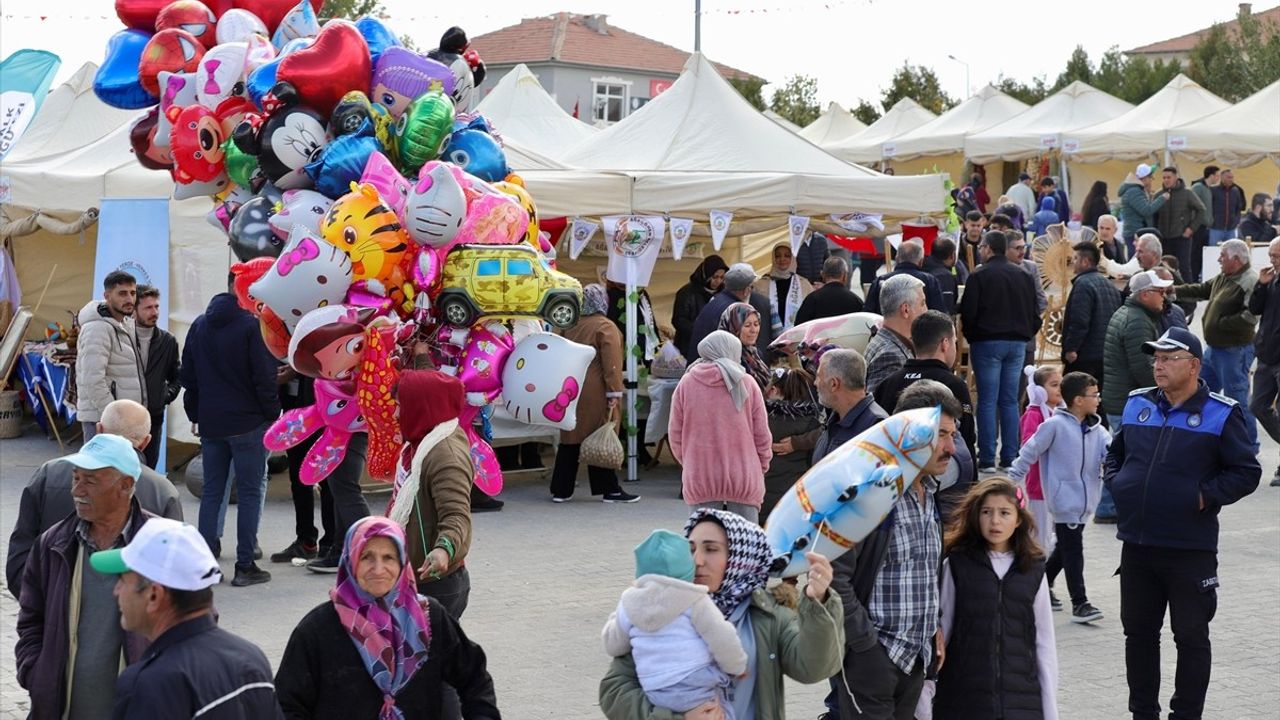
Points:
(1256, 225)
(159, 355)
(1092, 302)
(941, 264)
(909, 257)
(1265, 303)
(833, 297)
(933, 335)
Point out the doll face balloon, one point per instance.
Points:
(542, 378)
(329, 342)
(525, 200)
(142, 137)
(494, 220)
(402, 75)
(310, 273)
(171, 50)
(300, 208)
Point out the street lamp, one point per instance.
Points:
(967, 87)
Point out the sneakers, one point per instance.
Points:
(297, 549)
(250, 575)
(1085, 613)
(1275, 481)
(559, 499)
(1101, 520)
(987, 470)
(621, 497)
(483, 503)
(257, 551)
(1054, 602)
(325, 564)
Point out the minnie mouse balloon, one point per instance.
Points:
(291, 137)
(377, 36)
(116, 83)
(238, 25)
(542, 378)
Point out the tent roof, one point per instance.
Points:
(945, 134)
(781, 120)
(833, 125)
(522, 110)
(865, 147)
(1142, 130)
(70, 117)
(1028, 134)
(1240, 135)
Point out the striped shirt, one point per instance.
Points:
(904, 600)
(886, 354)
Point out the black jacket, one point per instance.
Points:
(229, 376)
(1181, 211)
(1092, 302)
(948, 282)
(1256, 229)
(197, 669)
(689, 302)
(890, 388)
(162, 373)
(932, 292)
(1228, 203)
(1265, 303)
(831, 300)
(322, 676)
(999, 303)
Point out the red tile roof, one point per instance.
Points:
(1185, 43)
(570, 38)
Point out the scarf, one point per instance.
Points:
(724, 350)
(779, 320)
(595, 300)
(749, 557)
(731, 321)
(391, 633)
(701, 276)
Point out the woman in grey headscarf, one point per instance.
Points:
(601, 390)
(719, 410)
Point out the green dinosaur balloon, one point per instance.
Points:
(241, 166)
(423, 130)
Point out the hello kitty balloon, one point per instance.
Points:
(336, 412)
(309, 273)
(542, 379)
(305, 208)
(436, 205)
(394, 190)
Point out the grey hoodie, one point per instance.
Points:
(108, 366)
(1070, 454)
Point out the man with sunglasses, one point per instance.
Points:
(1179, 455)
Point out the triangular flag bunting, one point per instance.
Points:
(720, 220)
(798, 229)
(681, 229)
(580, 236)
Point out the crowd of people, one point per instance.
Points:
(945, 610)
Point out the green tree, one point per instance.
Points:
(1235, 65)
(920, 84)
(866, 112)
(1028, 93)
(797, 100)
(1109, 76)
(751, 89)
(1078, 68)
(350, 9)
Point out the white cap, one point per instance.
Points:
(166, 552)
(1144, 170)
(1146, 280)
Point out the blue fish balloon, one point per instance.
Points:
(472, 148)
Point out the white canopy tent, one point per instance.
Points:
(71, 117)
(1041, 129)
(1241, 135)
(790, 126)
(522, 111)
(866, 147)
(1142, 131)
(945, 134)
(833, 125)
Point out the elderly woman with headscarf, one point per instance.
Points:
(601, 390)
(785, 288)
(377, 649)
(704, 283)
(731, 559)
(743, 322)
(719, 431)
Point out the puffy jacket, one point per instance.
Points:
(1137, 209)
(162, 372)
(1227, 321)
(1070, 455)
(108, 366)
(1265, 304)
(1227, 205)
(1182, 211)
(229, 376)
(1048, 215)
(1201, 189)
(1126, 366)
(1092, 302)
(1164, 460)
(724, 452)
(1257, 229)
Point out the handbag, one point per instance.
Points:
(602, 448)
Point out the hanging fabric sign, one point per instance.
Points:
(634, 242)
(858, 222)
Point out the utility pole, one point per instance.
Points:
(697, 25)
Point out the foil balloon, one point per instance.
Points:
(299, 208)
(169, 50)
(481, 368)
(273, 12)
(142, 138)
(402, 75)
(377, 36)
(427, 262)
(336, 412)
(328, 342)
(474, 149)
(853, 331)
(238, 25)
(493, 220)
(353, 110)
(140, 14)
(342, 161)
(291, 137)
(221, 214)
(299, 22)
(542, 378)
(260, 52)
(262, 78)
(250, 234)
(247, 273)
(361, 296)
(116, 82)
(184, 188)
(196, 143)
(436, 205)
(241, 166)
(175, 89)
(221, 73)
(375, 384)
(525, 200)
(362, 226)
(423, 130)
(191, 16)
(468, 70)
(390, 184)
(487, 474)
(309, 273)
(335, 64)
(274, 333)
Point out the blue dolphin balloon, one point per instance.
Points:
(377, 36)
(473, 149)
(116, 82)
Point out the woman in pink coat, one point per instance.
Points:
(719, 431)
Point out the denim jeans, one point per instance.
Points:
(249, 458)
(1217, 237)
(998, 365)
(1266, 390)
(1231, 366)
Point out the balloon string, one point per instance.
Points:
(843, 678)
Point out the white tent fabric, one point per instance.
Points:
(71, 117)
(1041, 129)
(1240, 135)
(782, 121)
(945, 134)
(1142, 131)
(521, 110)
(865, 147)
(832, 126)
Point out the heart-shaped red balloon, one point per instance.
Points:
(140, 14)
(271, 12)
(334, 65)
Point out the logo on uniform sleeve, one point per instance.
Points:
(1194, 420)
(1144, 414)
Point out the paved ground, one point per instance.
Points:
(546, 577)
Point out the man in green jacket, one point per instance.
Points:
(1138, 205)
(1126, 366)
(1229, 327)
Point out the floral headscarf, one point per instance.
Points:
(391, 633)
(731, 321)
(749, 556)
(595, 300)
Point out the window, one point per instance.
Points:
(488, 268)
(519, 267)
(609, 103)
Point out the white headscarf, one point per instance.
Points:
(724, 351)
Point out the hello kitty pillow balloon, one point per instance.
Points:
(542, 380)
(310, 273)
(306, 208)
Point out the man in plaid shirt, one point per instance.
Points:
(889, 584)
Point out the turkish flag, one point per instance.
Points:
(575, 110)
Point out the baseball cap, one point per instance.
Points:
(665, 553)
(1144, 170)
(106, 450)
(1175, 339)
(166, 552)
(739, 276)
(1146, 280)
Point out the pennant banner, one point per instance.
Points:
(25, 77)
(859, 223)
(634, 242)
(580, 236)
(798, 229)
(681, 229)
(720, 220)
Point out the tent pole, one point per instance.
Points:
(632, 373)
(697, 25)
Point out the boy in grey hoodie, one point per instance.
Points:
(683, 647)
(1070, 447)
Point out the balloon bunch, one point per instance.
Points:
(363, 201)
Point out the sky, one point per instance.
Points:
(851, 47)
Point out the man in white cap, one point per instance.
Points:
(193, 668)
(70, 644)
(1138, 205)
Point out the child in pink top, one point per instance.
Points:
(1044, 395)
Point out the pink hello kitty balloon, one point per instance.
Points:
(481, 364)
(336, 412)
(390, 184)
